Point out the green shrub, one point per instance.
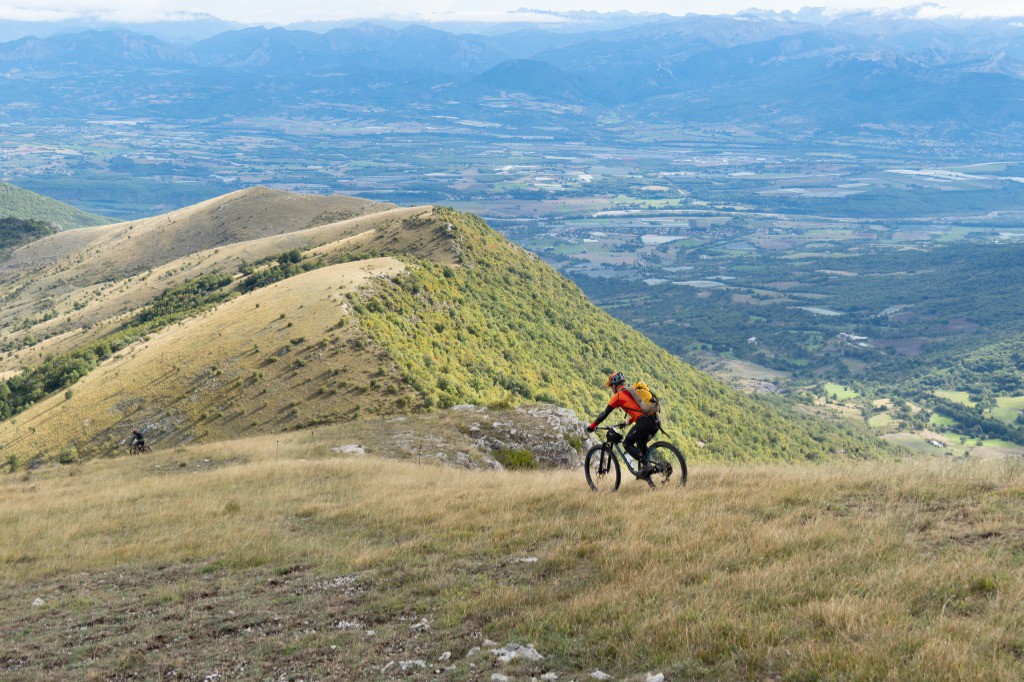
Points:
(514, 458)
(69, 455)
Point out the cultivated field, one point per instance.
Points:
(275, 557)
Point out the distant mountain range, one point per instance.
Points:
(809, 71)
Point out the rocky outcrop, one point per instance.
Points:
(554, 435)
(474, 437)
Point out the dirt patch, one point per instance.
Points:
(959, 324)
(210, 621)
(904, 346)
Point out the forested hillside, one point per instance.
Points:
(502, 326)
(22, 204)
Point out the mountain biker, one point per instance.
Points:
(137, 439)
(644, 425)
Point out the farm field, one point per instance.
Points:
(841, 393)
(962, 397)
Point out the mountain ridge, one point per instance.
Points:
(640, 69)
(400, 309)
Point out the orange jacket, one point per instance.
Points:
(624, 400)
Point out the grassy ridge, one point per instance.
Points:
(260, 548)
(502, 326)
(21, 203)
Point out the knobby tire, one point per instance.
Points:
(602, 468)
(670, 462)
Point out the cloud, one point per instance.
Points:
(138, 11)
(274, 11)
(974, 10)
(8, 13)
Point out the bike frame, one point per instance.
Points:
(616, 449)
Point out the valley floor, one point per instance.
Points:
(261, 559)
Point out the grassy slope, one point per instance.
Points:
(90, 284)
(270, 557)
(270, 360)
(49, 271)
(21, 203)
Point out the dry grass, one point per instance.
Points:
(266, 361)
(868, 571)
(125, 266)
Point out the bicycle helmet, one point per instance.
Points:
(616, 378)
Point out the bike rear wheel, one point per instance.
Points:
(602, 468)
(669, 463)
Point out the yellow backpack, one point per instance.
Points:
(645, 398)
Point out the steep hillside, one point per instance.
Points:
(25, 205)
(74, 280)
(403, 309)
(16, 231)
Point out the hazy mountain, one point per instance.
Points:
(534, 78)
(823, 80)
(365, 46)
(99, 50)
(184, 31)
(806, 72)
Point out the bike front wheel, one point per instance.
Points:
(669, 463)
(602, 468)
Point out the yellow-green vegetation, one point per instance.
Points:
(502, 327)
(839, 392)
(272, 557)
(1011, 402)
(880, 421)
(961, 397)
(941, 420)
(25, 205)
(1008, 409)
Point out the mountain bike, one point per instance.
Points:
(604, 473)
(138, 449)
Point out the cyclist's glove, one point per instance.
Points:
(591, 427)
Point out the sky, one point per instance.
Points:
(278, 12)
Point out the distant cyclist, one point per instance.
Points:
(137, 440)
(644, 425)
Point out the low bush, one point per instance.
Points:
(515, 458)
